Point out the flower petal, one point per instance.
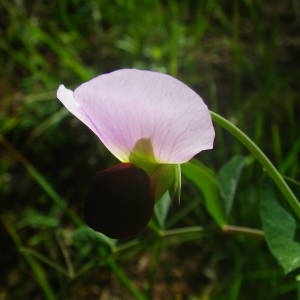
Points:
(66, 96)
(128, 105)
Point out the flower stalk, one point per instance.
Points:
(286, 191)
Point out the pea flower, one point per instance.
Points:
(152, 123)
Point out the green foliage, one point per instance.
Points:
(281, 229)
(85, 235)
(205, 181)
(161, 209)
(242, 58)
(228, 177)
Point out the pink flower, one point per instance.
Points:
(148, 119)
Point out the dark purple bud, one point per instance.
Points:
(121, 201)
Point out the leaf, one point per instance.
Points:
(161, 208)
(85, 234)
(166, 178)
(281, 230)
(175, 189)
(228, 178)
(37, 220)
(205, 181)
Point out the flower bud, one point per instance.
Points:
(121, 201)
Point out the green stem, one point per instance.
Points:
(242, 230)
(289, 196)
(126, 246)
(45, 260)
(291, 180)
(182, 231)
(121, 275)
(34, 265)
(66, 256)
(154, 263)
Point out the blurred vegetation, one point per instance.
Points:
(241, 56)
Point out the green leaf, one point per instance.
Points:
(85, 234)
(205, 181)
(161, 208)
(281, 230)
(270, 169)
(175, 188)
(228, 178)
(166, 179)
(37, 220)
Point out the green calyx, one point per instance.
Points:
(164, 177)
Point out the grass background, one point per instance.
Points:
(242, 57)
